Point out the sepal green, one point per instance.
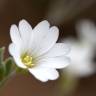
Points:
(22, 71)
(8, 66)
(2, 65)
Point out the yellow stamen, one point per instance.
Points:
(27, 60)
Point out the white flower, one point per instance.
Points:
(87, 31)
(82, 51)
(36, 49)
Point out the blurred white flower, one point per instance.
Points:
(36, 49)
(87, 31)
(82, 50)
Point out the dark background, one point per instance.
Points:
(34, 11)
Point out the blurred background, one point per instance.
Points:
(62, 13)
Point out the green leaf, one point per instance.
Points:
(22, 71)
(2, 72)
(8, 66)
(2, 67)
(1, 54)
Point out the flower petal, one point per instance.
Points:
(55, 62)
(58, 49)
(13, 50)
(19, 63)
(15, 35)
(25, 29)
(38, 33)
(41, 29)
(47, 41)
(38, 73)
(52, 74)
(44, 74)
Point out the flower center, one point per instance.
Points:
(27, 60)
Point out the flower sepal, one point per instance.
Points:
(6, 67)
(22, 71)
(2, 67)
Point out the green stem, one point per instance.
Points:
(6, 79)
(67, 84)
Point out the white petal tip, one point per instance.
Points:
(44, 81)
(55, 29)
(13, 27)
(23, 21)
(45, 21)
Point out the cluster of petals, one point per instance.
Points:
(36, 49)
(82, 50)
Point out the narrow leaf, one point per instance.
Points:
(1, 54)
(8, 66)
(2, 67)
(2, 72)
